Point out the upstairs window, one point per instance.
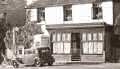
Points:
(67, 12)
(97, 11)
(40, 14)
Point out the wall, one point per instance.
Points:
(108, 12)
(116, 38)
(92, 58)
(116, 12)
(81, 13)
(54, 15)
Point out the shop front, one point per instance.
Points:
(79, 42)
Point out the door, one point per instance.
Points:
(75, 46)
(29, 57)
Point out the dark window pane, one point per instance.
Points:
(41, 14)
(97, 11)
(67, 12)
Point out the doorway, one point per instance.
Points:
(75, 46)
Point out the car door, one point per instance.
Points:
(29, 57)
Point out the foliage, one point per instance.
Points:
(3, 28)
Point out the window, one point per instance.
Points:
(20, 51)
(59, 36)
(67, 12)
(100, 36)
(97, 11)
(54, 37)
(89, 36)
(61, 42)
(94, 36)
(67, 47)
(93, 44)
(85, 47)
(66, 36)
(41, 14)
(84, 36)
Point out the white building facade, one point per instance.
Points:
(78, 30)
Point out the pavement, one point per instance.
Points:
(70, 66)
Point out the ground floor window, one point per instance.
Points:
(92, 47)
(61, 42)
(60, 47)
(92, 43)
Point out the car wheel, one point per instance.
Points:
(15, 64)
(41, 64)
(37, 63)
(50, 63)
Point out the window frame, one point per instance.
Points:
(92, 41)
(67, 10)
(40, 14)
(97, 12)
(63, 42)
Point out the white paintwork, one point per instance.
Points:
(108, 12)
(81, 13)
(33, 14)
(54, 15)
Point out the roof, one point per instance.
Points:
(47, 3)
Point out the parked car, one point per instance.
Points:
(36, 57)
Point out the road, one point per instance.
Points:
(75, 66)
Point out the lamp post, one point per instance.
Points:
(14, 40)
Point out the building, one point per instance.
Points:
(116, 38)
(79, 30)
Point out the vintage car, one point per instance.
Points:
(36, 57)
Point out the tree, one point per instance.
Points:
(14, 15)
(3, 28)
(25, 34)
